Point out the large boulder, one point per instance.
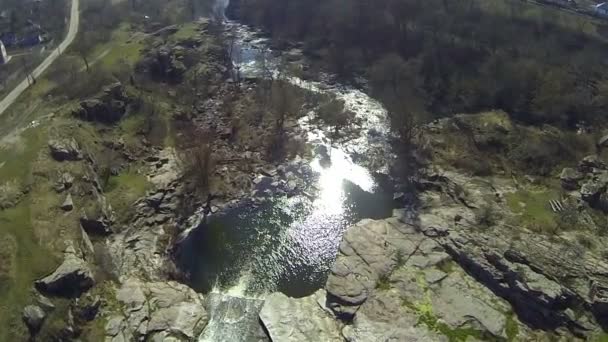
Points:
(589, 163)
(364, 257)
(570, 178)
(33, 317)
(183, 319)
(68, 204)
(86, 308)
(603, 141)
(70, 279)
(459, 304)
(591, 191)
(65, 149)
(288, 319)
(64, 182)
(164, 63)
(109, 108)
(97, 223)
(153, 311)
(385, 318)
(97, 217)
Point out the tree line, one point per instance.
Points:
(437, 57)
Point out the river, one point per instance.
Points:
(288, 244)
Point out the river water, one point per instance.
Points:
(288, 244)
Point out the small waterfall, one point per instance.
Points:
(233, 316)
(219, 8)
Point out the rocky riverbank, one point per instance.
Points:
(486, 251)
(450, 269)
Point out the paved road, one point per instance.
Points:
(72, 32)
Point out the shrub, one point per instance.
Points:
(487, 216)
(585, 241)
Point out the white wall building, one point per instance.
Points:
(3, 55)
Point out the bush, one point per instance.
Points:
(477, 166)
(585, 241)
(487, 216)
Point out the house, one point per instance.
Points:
(4, 57)
(9, 39)
(601, 9)
(31, 39)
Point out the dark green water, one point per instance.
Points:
(283, 245)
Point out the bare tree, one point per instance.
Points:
(83, 46)
(197, 161)
(27, 67)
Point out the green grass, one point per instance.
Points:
(512, 329)
(494, 118)
(533, 208)
(426, 315)
(383, 283)
(16, 159)
(603, 337)
(186, 31)
(31, 261)
(124, 189)
(122, 47)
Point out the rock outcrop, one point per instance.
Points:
(289, 319)
(388, 271)
(70, 279)
(147, 237)
(589, 181)
(68, 204)
(33, 317)
(156, 311)
(97, 216)
(65, 149)
(164, 63)
(366, 254)
(108, 108)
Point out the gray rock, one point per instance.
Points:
(33, 317)
(365, 329)
(68, 204)
(289, 319)
(591, 191)
(156, 310)
(65, 150)
(70, 279)
(603, 141)
(458, 306)
(433, 276)
(591, 162)
(383, 317)
(109, 108)
(366, 253)
(45, 303)
(183, 319)
(65, 182)
(97, 218)
(570, 178)
(86, 308)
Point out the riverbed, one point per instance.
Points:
(288, 243)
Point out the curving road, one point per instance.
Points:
(72, 32)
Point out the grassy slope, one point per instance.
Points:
(26, 254)
(28, 260)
